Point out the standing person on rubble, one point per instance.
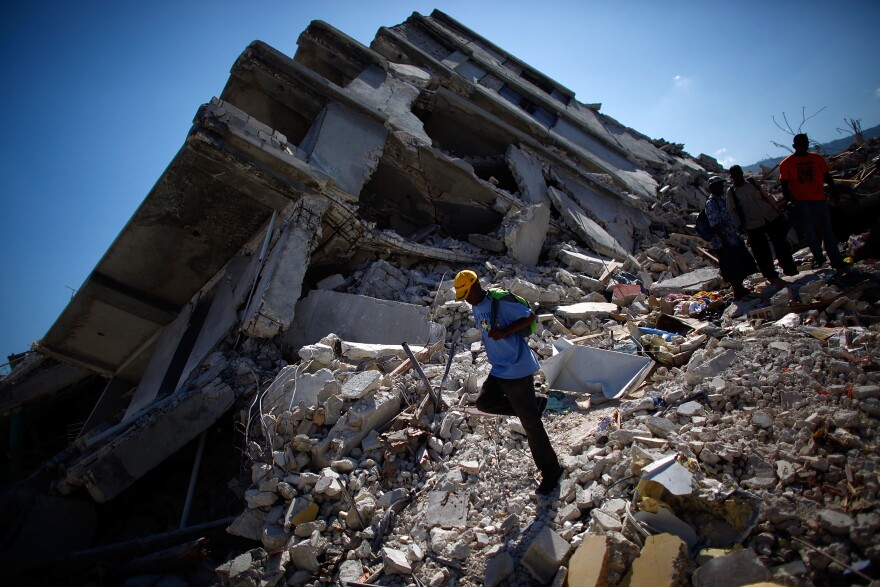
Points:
(804, 175)
(510, 387)
(756, 213)
(734, 260)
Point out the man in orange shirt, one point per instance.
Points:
(803, 176)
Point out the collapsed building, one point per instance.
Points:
(312, 222)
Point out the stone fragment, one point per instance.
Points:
(835, 522)
(360, 384)
(762, 419)
(588, 566)
(259, 499)
(738, 568)
(498, 568)
(395, 561)
(545, 554)
(663, 562)
(304, 555)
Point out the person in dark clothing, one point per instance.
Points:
(757, 214)
(510, 387)
(804, 175)
(734, 260)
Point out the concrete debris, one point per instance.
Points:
(319, 210)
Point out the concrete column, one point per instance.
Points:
(271, 309)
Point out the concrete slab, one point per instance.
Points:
(271, 310)
(361, 351)
(364, 416)
(592, 265)
(525, 232)
(393, 95)
(112, 468)
(360, 385)
(291, 387)
(706, 279)
(588, 566)
(528, 173)
(663, 562)
(584, 310)
(447, 509)
(593, 235)
(587, 370)
(346, 145)
(358, 319)
(202, 211)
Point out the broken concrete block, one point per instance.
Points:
(738, 568)
(360, 385)
(350, 571)
(345, 144)
(319, 353)
(525, 232)
(528, 173)
(545, 554)
(274, 537)
(357, 318)
(588, 566)
(364, 416)
(243, 569)
(395, 561)
(133, 453)
(292, 387)
(663, 562)
(706, 279)
(304, 555)
(271, 310)
(331, 283)
(300, 510)
(359, 351)
(447, 509)
(586, 310)
(249, 524)
(498, 568)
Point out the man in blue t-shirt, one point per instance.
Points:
(510, 388)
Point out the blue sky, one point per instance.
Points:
(98, 96)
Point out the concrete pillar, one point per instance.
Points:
(271, 309)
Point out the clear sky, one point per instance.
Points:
(98, 96)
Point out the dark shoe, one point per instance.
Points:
(542, 403)
(549, 483)
(790, 272)
(778, 282)
(817, 263)
(842, 268)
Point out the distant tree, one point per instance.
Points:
(791, 131)
(853, 127)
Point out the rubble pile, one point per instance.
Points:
(310, 229)
(774, 421)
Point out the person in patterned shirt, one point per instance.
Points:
(734, 259)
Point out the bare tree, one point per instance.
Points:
(791, 131)
(853, 127)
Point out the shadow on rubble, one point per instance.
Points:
(50, 539)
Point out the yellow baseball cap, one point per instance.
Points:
(463, 282)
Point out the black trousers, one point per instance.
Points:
(777, 233)
(516, 397)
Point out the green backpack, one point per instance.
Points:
(500, 295)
